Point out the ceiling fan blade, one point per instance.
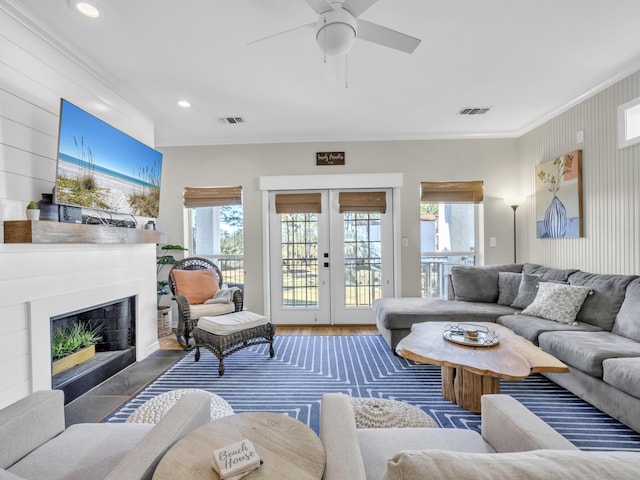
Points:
(356, 7)
(372, 32)
(320, 6)
(281, 33)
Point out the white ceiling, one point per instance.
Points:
(526, 59)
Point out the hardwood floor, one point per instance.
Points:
(170, 343)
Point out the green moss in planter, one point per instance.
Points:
(69, 340)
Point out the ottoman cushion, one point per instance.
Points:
(232, 322)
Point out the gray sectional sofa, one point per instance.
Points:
(601, 346)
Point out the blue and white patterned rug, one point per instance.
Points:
(305, 367)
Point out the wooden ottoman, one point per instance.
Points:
(223, 335)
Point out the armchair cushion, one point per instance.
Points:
(196, 285)
(210, 310)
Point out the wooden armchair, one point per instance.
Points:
(196, 285)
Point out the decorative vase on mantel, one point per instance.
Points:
(555, 218)
(48, 209)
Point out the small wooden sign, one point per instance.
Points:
(330, 158)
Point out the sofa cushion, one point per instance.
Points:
(93, 448)
(587, 350)
(508, 284)
(478, 283)
(557, 302)
(531, 327)
(402, 313)
(623, 373)
(533, 465)
(377, 445)
(548, 273)
(627, 321)
(609, 291)
(197, 285)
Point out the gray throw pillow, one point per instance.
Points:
(527, 290)
(508, 284)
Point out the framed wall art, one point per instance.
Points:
(559, 197)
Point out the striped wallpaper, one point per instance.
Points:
(610, 185)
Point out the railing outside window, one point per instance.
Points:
(434, 269)
(232, 268)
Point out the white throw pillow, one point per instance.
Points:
(557, 302)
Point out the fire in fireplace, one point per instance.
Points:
(115, 322)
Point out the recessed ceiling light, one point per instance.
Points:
(87, 9)
(184, 103)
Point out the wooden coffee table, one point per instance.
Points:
(470, 372)
(289, 449)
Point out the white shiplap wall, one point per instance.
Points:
(35, 72)
(610, 184)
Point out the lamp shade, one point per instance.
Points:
(514, 201)
(336, 32)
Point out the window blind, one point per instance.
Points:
(362, 202)
(212, 196)
(452, 192)
(298, 203)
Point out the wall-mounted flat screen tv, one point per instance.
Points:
(103, 168)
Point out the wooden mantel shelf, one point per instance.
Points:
(27, 231)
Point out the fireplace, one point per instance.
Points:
(115, 322)
(48, 281)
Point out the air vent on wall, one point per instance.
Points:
(473, 110)
(231, 120)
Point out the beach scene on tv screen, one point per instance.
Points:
(102, 168)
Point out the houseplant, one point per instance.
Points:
(73, 345)
(33, 211)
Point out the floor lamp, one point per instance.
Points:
(514, 202)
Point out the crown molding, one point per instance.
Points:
(616, 76)
(39, 28)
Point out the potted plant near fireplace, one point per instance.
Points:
(164, 311)
(73, 345)
(33, 211)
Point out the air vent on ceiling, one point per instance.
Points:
(231, 120)
(473, 110)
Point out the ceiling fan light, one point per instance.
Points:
(336, 32)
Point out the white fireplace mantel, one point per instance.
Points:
(38, 282)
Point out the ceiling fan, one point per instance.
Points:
(338, 27)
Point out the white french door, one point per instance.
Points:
(329, 260)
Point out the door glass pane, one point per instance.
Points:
(299, 239)
(362, 262)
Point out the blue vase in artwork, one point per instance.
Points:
(555, 219)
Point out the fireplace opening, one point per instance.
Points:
(114, 322)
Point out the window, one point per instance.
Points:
(629, 123)
(216, 229)
(448, 231)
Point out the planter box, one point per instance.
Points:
(74, 359)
